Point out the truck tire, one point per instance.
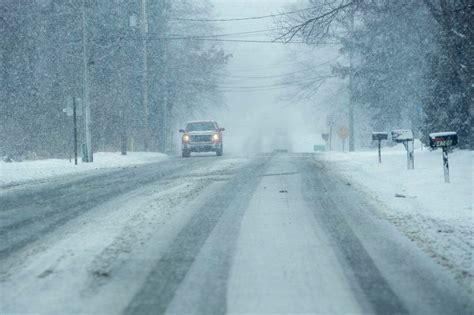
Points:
(186, 153)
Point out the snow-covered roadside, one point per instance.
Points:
(15, 173)
(435, 215)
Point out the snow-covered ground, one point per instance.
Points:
(90, 253)
(18, 172)
(436, 215)
(282, 261)
(270, 233)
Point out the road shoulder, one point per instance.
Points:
(444, 234)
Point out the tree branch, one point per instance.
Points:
(330, 15)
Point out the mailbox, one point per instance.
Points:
(443, 139)
(405, 136)
(402, 135)
(379, 136)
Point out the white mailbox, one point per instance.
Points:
(402, 135)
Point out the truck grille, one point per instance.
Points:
(201, 138)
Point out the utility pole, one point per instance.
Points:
(122, 94)
(351, 87)
(74, 117)
(330, 123)
(144, 31)
(85, 88)
(123, 133)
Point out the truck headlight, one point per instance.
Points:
(186, 138)
(216, 137)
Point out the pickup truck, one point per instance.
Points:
(202, 136)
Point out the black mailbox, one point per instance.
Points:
(379, 136)
(443, 139)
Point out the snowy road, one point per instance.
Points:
(275, 233)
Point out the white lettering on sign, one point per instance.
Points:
(443, 142)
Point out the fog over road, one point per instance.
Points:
(268, 233)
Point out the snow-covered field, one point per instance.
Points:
(17, 172)
(436, 215)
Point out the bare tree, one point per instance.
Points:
(318, 22)
(325, 20)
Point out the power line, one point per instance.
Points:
(239, 40)
(291, 83)
(210, 39)
(225, 90)
(249, 91)
(243, 18)
(198, 38)
(310, 68)
(267, 76)
(224, 34)
(284, 64)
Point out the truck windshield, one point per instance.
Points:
(201, 126)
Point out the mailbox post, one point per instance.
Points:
(379, 136)
(406, 137)
(444, 140)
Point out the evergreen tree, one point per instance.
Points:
(450, 81)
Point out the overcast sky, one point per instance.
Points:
(246, 109)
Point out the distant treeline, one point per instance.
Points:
(410, 63)
(43, 66)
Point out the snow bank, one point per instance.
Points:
(17, 172)
(436, 215)
(425, 184)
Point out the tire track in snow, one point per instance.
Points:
(42, 211)
(159, 291)
(390, 272)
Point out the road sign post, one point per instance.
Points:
(325, 137)
(343, 133)
(444, 140)
(89, 157)
(74, 109)
(406, 137)
(379, 136)
(330, 138)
